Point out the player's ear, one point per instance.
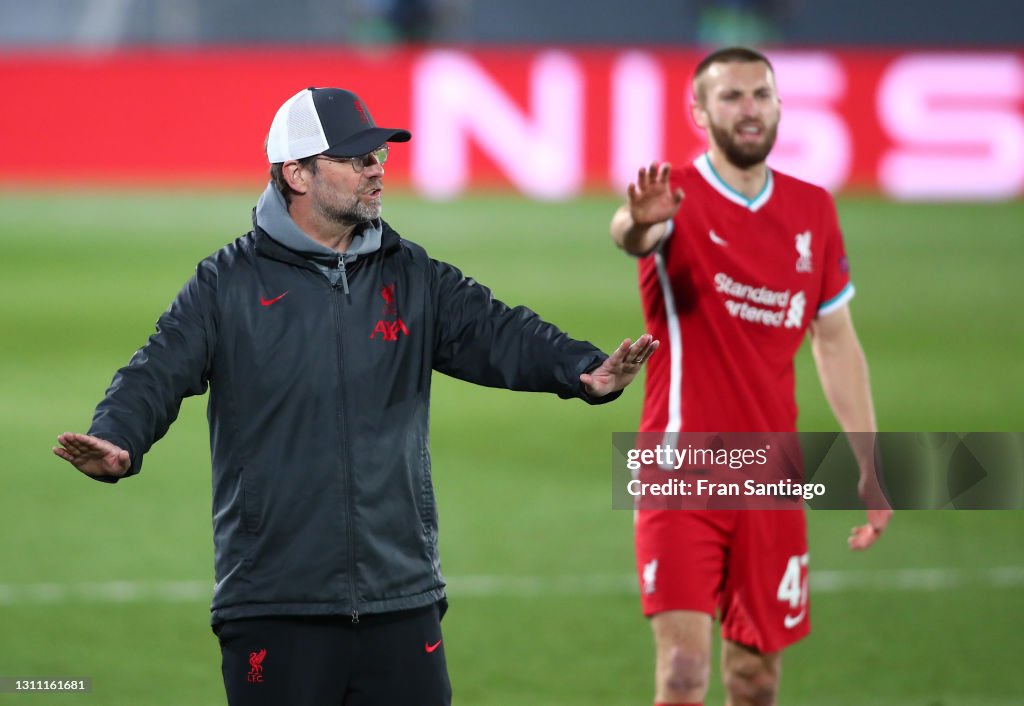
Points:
(699, 115)
(296, 176)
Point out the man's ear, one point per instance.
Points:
(296, 176)
(699, 115)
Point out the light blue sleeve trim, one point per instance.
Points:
(838, 301)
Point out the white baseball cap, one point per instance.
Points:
(330, 121)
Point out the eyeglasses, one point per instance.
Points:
(377, 156)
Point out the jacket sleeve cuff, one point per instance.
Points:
(589, 399)
(581, 391)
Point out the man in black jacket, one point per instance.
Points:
(317, 333)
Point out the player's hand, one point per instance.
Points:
(869, 488)
(651, 199)
(94, 457)
(864, 536)
(619, 369)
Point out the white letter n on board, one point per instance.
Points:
(456, 100)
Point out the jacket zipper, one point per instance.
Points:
(344, 275)
(346, 467)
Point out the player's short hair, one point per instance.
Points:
(728, 55)
(277, 175)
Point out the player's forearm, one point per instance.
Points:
(635, 238)
(848, 390)
(843, 371)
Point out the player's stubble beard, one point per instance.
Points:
(351, 210)
(744, 156)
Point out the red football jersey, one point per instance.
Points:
(730, 293)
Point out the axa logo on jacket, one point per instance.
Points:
(390, 325)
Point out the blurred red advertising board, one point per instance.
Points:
(548, 122)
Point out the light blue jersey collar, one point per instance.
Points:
(703, 165)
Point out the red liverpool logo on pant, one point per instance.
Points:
(255, 675)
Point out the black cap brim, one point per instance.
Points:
(370, 139)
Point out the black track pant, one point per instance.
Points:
(392, 659)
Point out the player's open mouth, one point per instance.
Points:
(750, 130)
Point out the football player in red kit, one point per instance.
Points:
(737, 263)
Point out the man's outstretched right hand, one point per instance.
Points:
(94, 457)
(651, 199)
(642, 222)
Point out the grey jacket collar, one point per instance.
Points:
(271, 215)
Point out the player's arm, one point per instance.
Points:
(640, 224)
(843, 371)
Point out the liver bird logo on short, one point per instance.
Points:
(256, 662)
(650, 575)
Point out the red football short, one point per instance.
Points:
(748, 568)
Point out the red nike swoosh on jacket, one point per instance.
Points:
(430, 648)
(268, 302)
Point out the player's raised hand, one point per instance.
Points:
(619, 369)
(94, 457)
(651, 199)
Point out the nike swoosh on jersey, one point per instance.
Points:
(716, 239)
(791, 621)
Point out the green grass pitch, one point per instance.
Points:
(542, 609)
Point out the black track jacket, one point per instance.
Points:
(318, 411)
